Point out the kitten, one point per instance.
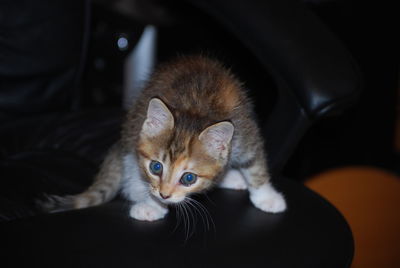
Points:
(191, 128)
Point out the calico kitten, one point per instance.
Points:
(191, 128)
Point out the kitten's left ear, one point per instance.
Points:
(159, 118)
(216, 139)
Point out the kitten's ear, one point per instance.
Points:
(216, 139)
(159, 118)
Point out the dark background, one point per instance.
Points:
(365, 135)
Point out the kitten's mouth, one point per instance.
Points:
(169, 200)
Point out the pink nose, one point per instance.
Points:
(165, 196)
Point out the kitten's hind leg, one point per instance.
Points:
(104, 188)
(233, 179)
(262, 194)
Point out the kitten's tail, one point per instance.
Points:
(105, 187)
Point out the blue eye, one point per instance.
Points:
(188, 179)
(156, 167)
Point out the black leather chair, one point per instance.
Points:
(59, 150)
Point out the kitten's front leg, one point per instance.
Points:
(148, 210)
(136, 189)
(262, 194)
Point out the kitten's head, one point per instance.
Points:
(177, 156)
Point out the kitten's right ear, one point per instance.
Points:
(216, 139)
(159, 118)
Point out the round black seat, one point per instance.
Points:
(311, 233)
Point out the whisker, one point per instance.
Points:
(186, 221)
(191, 219)
(177, 216)
(206, 213)
(201, 212)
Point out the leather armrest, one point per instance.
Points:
(315, 74)
(293, 44)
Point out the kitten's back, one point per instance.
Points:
(199, 86)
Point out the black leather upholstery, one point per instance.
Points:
(62, 156)
(40, 64)
(315, 73)
(320, 72)
(60, 152)
(47, 154)
(310, 234)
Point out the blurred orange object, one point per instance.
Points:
(369, 199)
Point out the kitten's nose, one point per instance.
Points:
(164, 196)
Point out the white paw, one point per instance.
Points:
(147, 211)
(267, 199)
(233, 179)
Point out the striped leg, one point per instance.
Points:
(233, 179)
(262, 193)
